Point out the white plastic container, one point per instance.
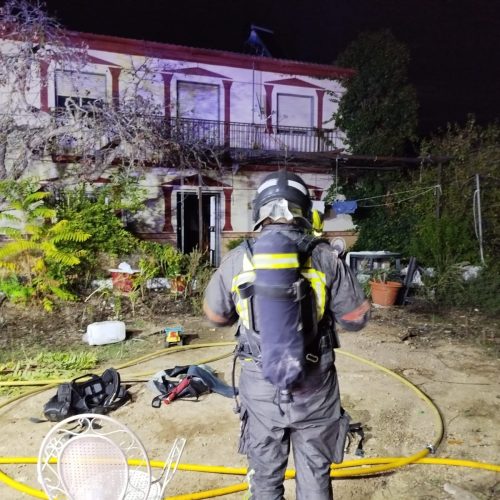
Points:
(105, 332)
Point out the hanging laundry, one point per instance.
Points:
(345, 207)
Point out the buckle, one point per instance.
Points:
(312, 358)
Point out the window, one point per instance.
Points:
(199, 101)
(82, 88)
(198, 108)
(294, 111)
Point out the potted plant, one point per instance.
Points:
(176, 262)
(385, 284)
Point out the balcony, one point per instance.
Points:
(245, 136)
(237, 139)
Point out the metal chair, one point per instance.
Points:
(95, 457)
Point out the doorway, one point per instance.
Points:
(194, 213)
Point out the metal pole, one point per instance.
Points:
(438, 194)
(200, 215)
(253, 93)
(182, 213)
(478, 218)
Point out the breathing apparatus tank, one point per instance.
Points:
(279, 290)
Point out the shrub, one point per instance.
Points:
(37, 255)
(95, 214)
(234, 243)
(198, 275)
(482, 293)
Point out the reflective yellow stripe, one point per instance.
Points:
(276, 261)
(317, 279)
(242, 305)
(242, 311)
(247, 263)
(240, 279)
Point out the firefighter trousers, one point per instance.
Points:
(311, 424)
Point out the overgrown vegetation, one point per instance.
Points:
(99, 212)
(46, 366)
(35, 260)
(60, 241)
(429, 213)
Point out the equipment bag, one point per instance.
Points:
(176, 383)
(188, 381)
(95, 394)
(283, 308)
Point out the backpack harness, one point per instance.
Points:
(97, 394)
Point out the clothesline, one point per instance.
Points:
(421, 192)
(350, 206)
(425, 189)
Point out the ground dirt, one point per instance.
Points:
(452, 358)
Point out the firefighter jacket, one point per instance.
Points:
(336, 290)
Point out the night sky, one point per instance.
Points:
(454, 44)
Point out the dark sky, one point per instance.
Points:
(454, 44)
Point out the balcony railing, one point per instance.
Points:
(233, 135)
(255, 136)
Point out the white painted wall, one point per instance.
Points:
(248, 99)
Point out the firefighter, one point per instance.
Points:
(309, 416)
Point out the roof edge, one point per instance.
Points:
(161, 50)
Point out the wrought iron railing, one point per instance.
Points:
(255, 136)
(237, 136)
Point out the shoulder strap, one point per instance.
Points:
(248, 246)
(306, 246)
(100, 393)
(116, 394)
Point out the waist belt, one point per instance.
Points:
(244, 350)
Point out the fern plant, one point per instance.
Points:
(32, 252)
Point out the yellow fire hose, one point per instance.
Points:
(360, 467)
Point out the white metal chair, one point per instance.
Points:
(95, 457)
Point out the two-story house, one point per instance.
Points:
(256, 114)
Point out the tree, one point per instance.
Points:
(89, 135)
(378, 112)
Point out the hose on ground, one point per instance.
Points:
(361, 467)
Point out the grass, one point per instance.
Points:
(45, 366)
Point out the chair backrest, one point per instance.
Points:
(170, 467)
(86, 457)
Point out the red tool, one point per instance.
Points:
(177, 390)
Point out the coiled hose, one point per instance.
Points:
(360, 467)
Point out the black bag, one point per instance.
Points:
(168, 388)
(96, 394)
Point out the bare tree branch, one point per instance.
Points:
(90, 135)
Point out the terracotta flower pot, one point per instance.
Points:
(385, 294)
(124, 282)
(177, 284)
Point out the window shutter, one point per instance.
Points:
(84, 85)
(198, 101)
(295, 111)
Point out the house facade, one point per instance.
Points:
(261, 114)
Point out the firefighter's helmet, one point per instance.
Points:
(289, 194)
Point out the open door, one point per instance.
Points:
(194, 216)
(214, 230)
